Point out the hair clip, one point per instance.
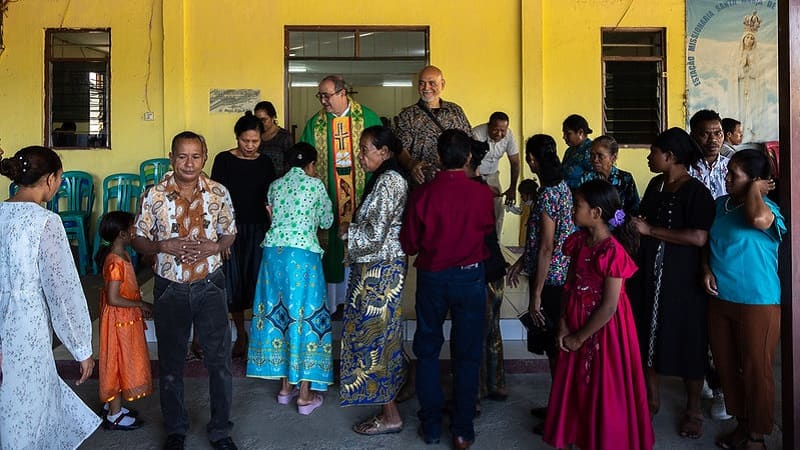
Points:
(105, 243)
(618, 219)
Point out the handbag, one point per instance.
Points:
(539, 337)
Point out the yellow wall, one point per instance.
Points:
(22, 80)
(538, 60)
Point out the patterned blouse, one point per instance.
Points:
(374, 234)
(419, 133)
(625, 185)
(300, 205)
(165, 214)
(576, 162)
(556, 202)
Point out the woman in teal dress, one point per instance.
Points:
(290, 334)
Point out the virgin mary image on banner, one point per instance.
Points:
(732, 62)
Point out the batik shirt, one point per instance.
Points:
(625, 185)
(556, 202)
(576, 162)
(165, 214)
(712, 175)
(419, 133)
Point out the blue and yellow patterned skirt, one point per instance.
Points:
(290, 334)
(373, 367)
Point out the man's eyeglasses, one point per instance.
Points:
(325, 95)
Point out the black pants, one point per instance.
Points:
(178, 306)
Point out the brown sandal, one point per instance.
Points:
(375, 426)
(691, 426)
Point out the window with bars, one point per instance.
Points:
(77, 96)
(634, 84)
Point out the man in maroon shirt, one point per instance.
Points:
(445, 224)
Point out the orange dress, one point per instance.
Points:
(124, 359)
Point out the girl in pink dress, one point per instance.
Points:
(598, 399)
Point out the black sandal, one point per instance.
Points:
(115, 425)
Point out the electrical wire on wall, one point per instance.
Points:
(625, 13)
(149, 56)
(64, 14)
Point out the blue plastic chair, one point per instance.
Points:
(12, 189)
(121, 192)
(76, 194)
(152, 170)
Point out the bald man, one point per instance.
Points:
(419, 125)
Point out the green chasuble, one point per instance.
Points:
(319, 132)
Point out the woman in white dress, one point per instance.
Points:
(39, 286)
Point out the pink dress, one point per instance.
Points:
(598, 399)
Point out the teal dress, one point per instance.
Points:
(290, 333)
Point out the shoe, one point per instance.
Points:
(718, 411)
(224, 444)
(117, 425)
(284, 399)
(461, 443)
(128, 412)
(375, 426)
(539, 428)
(540, 412)
(705, 392)
(175, 442)
(427, 439)
(316, 402)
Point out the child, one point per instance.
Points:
(598, 399)
(527, 194)
(124, 359)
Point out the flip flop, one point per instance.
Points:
(316, 402)
(375, 426)
(284, 399)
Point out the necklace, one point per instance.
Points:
(728, 208)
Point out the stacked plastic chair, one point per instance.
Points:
(76, 194)
(121, 192)
(151, 171)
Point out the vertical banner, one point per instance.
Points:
(732, 63)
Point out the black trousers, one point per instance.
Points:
(177, 306)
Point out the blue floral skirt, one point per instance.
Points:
(290, 334)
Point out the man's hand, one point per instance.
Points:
(511, 196)
(418, 171)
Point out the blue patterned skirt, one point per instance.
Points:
(290, 334)
(373, 367)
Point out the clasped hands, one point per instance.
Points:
(191, 249)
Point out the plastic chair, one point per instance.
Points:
(152, 170)
(77, 195)
(121, 192)
(12, 189)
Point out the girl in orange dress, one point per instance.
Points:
(124, 359)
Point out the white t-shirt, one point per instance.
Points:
(490, 162)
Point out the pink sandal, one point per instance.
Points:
(316, 402)
(284, 399)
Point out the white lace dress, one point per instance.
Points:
(39, 285)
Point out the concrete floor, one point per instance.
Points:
(261, 423)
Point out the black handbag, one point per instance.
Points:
(539, 337)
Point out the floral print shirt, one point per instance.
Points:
(712, 175)
(576, 162)
(165, 214)
(625, 185)
(419, 133)
(556, 202)
(300, 205)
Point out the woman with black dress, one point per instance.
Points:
(275, 141)
(676, 213)
(247, 174)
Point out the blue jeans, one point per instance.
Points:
(462, 291)
(176, 307)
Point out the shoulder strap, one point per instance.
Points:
(423, 107)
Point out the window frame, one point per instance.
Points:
(662, 110)
(48, 86)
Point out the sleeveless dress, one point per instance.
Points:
(598, 399)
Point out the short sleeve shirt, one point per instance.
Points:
(165, 214)
(419, 133)
(491, 161)
(556, 202)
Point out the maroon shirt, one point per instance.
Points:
(446, 222)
